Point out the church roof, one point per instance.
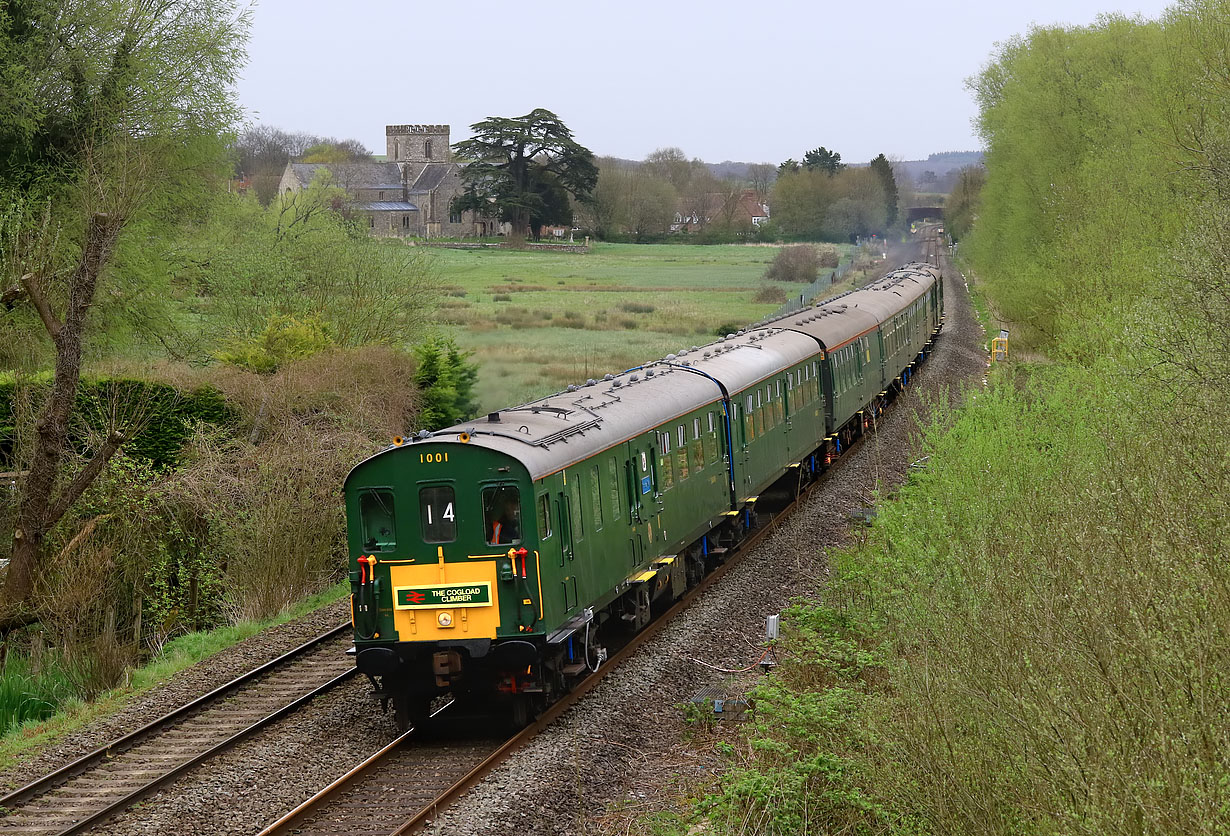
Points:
(387, 206)
(353, 175)
(432, 176)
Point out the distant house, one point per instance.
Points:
(736, 211)
(410, 194)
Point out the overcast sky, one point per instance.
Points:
(754, 81)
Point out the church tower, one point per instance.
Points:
(412, 147)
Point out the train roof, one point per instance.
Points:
(552, 433)
(837, 321)
(555, 432)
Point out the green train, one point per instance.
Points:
(492, 560)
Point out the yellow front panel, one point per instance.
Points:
(469, 622)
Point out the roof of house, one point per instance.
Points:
(352, 175)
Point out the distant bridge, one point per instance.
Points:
(922, 213)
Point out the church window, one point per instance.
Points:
(427, 149)
(454, 217)
(371, 221)
(381, 196)
(405, 221)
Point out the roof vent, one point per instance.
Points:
(731, 336)
(708, 355)
(493, 417)
(590, 382)
(649, 374)
(670, 358)
(615, 384)
(696, 348)
(572, 387)
(633, 379)
(424, 434)
(609, 377)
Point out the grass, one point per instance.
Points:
(537, 321)
(1030, 638)
(33, 732)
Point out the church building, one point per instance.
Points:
(409, 194)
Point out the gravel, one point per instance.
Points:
(621, 744)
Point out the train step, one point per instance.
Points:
(574, 669)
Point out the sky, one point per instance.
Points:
(756, 81)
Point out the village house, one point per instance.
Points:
(742, 211)
(409, 195)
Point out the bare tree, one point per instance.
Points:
(132, 95)
(762, 176)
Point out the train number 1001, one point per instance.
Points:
(432, 458)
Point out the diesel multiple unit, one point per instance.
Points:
(489, 560)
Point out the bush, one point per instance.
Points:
(769, 294)
(445, 378)
(796, 263)
(284, 338)
(156, 417)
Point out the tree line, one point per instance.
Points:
(128, 266)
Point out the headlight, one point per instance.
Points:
(444, 619)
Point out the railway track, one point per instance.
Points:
(401, 788)
(111, 779)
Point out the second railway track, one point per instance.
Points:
(111, 779)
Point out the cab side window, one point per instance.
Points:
(502, 515)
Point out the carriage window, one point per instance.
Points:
(695, 428)
(710, 422)
(595, 497)
(438, 514)
(376, 511)
(575, 517)
(502, 515)
(612, 471)
(683, 439)
(544, 517)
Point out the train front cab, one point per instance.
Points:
(444, 571)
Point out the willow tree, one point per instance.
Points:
(112, 109)
(523, 170)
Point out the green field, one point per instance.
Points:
(537, 321)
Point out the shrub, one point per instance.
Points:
(284, 338)
(796, 263)
(445, 378)
(156, 417)
(769, 294)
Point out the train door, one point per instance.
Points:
(630, 499)
(745, 432)
(643, 467)
(564, 515)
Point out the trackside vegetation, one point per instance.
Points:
(1032, 637)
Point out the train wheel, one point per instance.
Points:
(520, 712)
(409, 712)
